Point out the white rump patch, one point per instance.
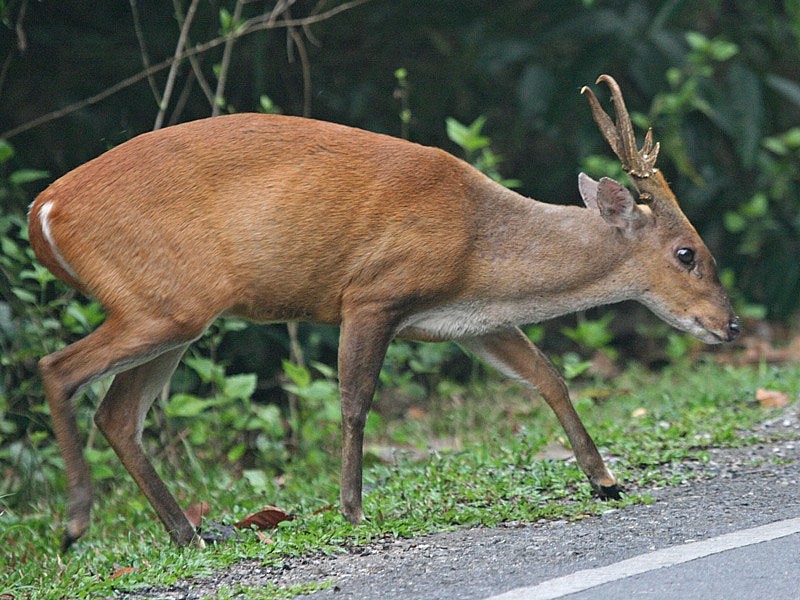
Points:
(44, 220)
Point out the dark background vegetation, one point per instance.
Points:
(718, 81)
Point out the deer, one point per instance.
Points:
(277, 218)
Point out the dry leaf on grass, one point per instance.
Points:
(771, 398)
(555, 451)
(122, 571)
(195, 512)
(415, 413)
(266, 518)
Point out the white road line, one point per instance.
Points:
(667, 557)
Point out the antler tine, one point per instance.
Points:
(649, 152)
(619, 135)
(604, 122)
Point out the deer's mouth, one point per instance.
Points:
(716, 335)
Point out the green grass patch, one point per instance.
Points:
(642, 421)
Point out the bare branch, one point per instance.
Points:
(183, 98)
(137, 28)
(22, 39)
(173, 71)
(250, 26)
(281, 7)
(198, 71)
(304, 62)
(21, 46)
(226, 62)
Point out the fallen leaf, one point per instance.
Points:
(555, 451)
(266, 518)
(195, 512)
(122, 571)
(771, 398)
(416, 413)
(324, 509)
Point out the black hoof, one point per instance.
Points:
(608, 492)
(66, 542)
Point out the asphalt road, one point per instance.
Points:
(753, 563)
(732, 532)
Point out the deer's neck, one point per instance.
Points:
(532, 262)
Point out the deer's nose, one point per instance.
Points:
(733, 329)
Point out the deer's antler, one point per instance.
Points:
(640, 164)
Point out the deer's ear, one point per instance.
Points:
(615, 203)
(588, 189)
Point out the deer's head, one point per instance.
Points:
(677, 274)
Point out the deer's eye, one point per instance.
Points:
(686, 256)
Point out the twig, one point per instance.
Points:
(22, 39)
(281, 8)
(183, 98)
(250, 26)
(301, 50)
(198, 72)
(22, 44)
(201, 79)
(137, 28)
(173, 71)
(226, 61)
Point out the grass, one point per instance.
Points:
(643, 422)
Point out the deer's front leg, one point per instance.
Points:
(363, 340)
(513, 354)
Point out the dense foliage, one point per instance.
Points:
(716, 80)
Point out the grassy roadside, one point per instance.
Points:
(489, 472)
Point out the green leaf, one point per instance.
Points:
(467, 137)
(225, 21)
(734, 222)
(240, 386)
(186, 405)
(786, 87)
(24, 295)
(206, 369)
(257, 478)
(235, 453)
(27, 176)
(792, 138)
(6, 151)
(75, 313)
(696, 40)
(266, 418)
(776, 145)
(756, 207)
(573, 367)
(298, 374)
(267, 105)
(722, 50)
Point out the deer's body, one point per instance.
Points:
(278, 218)
(411, 227)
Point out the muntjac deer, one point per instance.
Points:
(276, 218)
